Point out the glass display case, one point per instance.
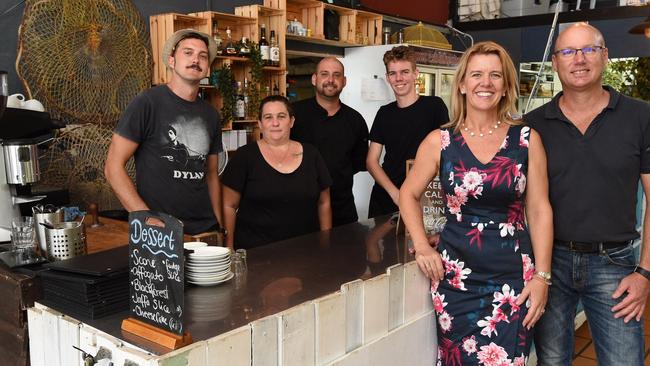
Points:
(549, 84)
(436, 81)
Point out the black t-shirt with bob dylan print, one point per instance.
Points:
(175, 137)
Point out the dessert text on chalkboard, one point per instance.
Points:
(156, 270)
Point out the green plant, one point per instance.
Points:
(619, 74)
(253, 87)
(226, 87)
(630, 76)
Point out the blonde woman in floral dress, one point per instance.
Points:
(489, 273)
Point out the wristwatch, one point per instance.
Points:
(546, 276)
(643, 272)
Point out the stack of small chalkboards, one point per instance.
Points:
(90, 286)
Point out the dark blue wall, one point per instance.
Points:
(10, 22)
(527, 44)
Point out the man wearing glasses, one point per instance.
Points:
(598, 146)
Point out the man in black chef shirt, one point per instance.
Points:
(339, 133)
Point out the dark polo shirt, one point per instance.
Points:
(342, 141)
(593, 178)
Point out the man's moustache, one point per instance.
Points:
(195, 67)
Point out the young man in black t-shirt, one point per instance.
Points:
(399, 127)
(175, 139)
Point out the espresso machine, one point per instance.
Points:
(21, 132)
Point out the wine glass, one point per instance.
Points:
(4, 92)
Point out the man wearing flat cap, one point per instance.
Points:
(175, 138)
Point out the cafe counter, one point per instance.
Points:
(348, 296)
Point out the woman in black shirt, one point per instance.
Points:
(275, 188)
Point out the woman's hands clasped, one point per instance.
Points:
(537, 290)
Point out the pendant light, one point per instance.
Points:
(642, 28)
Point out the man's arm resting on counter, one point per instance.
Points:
(324, 210)
(214, 186)
(378, 173)
(230, 205)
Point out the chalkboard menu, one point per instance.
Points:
(156, 270)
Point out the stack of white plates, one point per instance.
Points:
(207, 266)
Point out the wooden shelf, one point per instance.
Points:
(273, 68)
(233, 58)
(231, 19)
(244, 121)
(325, 42)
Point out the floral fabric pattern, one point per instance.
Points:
(486, 252)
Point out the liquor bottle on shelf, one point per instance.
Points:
(217, 38)
(231, 49)
(244, 48)
(264, 46)
(246, 86)
(240, 103)
(274, 50)
(276, 90)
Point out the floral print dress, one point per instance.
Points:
(487, 254)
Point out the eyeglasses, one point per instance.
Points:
(586, 51)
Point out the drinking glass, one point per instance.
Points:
(238, 265)
(22, 232)
(242, 255)
(4, 92)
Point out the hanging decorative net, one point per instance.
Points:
(75, 159)
(84, 59)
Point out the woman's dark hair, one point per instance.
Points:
(275, 98)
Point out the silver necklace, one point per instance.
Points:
(481, 134)
(277, 162)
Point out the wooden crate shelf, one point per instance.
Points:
(356, 27)
(274, 20)
(369, 26)
(240, 26)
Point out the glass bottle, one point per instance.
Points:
(244, 48)
(217, 38)
(231, 49)
(240, 103)
(246, 86)
(386, 36)
(264, 46)
(276, 90)
(274, 50)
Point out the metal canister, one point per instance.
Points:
(66, 240)
(21, 162)
(51, 218)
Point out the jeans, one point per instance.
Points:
(590, 278)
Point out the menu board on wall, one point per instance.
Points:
(156, 275)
